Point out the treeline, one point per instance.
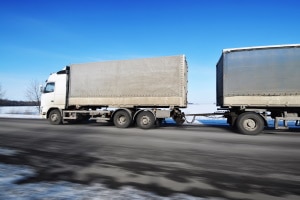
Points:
(5, 102)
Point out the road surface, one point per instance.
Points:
(196, 160)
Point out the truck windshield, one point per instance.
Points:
(49, 87)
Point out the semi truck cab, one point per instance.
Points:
(54, 93)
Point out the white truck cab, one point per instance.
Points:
(54, 93)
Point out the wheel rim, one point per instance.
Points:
(145, 120)
(250, 124)
(122, 120)
(54, 117)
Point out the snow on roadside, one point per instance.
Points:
(10, 190)
(20, 116)
(19, 112)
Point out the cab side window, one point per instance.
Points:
(49, 88)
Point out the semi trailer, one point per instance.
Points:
(253, 85)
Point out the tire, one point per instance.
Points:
(145, 120)
(55, 117)
(122, 119)
(250, 123)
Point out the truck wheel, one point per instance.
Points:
(55, 117)
(145, 120)
(122, 119)
(250, 123)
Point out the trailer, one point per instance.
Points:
(141, 91)
(255, 83)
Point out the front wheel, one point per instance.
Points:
(145, 120)
(55, 117)
(250, 123)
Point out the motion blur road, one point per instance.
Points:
(196, 160)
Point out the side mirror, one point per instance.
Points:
(41, 89)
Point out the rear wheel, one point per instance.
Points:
(145, 120)
(250, 123)
(122, 119)
(55, 117)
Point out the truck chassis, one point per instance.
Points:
(121, 117)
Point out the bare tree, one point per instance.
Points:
(33, 93)
(1, 92)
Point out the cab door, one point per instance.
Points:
(47, 98)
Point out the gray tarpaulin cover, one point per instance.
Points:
(267, 76)
(160, 81)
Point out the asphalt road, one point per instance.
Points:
(195, 160)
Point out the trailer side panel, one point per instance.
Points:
(265, 77)
(160, 82)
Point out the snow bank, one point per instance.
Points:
(19, 112)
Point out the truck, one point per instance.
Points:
(253, 85)
(257, 83)
(139, 91)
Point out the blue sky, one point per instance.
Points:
(38, 37)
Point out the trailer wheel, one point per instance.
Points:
(250, 123)
(145, 120)
(55, 117)
(122, 119)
